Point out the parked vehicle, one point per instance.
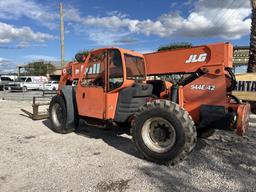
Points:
(12, 77)
(50, 85)
(4, 81)
(27, 83)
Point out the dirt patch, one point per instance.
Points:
(118, 186)
(29, 137)
(19, 139)
(3, 178)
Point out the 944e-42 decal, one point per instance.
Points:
(203, 87)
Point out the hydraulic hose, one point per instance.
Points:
(232, 78)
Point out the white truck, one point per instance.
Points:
(49, 86)
(4, 81)
(27, 83)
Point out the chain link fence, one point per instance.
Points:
(26, 95)
(39, 100)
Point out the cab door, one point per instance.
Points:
(91, 88)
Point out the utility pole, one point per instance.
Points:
(61, 36)
(252, 53)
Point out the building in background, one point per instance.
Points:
(52, 75)
(240, 59)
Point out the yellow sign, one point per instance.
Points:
(246, 86)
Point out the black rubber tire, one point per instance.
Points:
(60, 127)
(186, 135)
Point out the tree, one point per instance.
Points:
(38, 68)
(81, 55)
(252, 53)
(174, 46)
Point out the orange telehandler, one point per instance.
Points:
(122, 87)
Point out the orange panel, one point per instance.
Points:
(90, 101)
(111, 102)
(208, 90)
(76, 70)
(189, 60)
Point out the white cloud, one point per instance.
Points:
(145, 51)
(40, 57)
(173, 4)
(3, 60)
(15, 9)
(117, 13)
(207, 20)
(112, 22)
(10, 33)
(6, 65)
(224, 19)
(110, 38)
(72, 14)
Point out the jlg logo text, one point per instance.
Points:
(197, 58)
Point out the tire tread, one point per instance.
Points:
(184, 118)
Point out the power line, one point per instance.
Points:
(220, 16)
(226, 19)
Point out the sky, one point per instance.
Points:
(29, 29)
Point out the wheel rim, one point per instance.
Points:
(57, 114)
(158, 134)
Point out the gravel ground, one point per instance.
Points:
(33, 158)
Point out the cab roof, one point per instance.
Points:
(122, 50)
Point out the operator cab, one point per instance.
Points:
(111, 77)
(113, 68)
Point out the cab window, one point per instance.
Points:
(95, 71)
(115, 65)
(135, 67)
